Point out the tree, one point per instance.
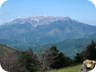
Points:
(78, 58)
(9, 60)
(53, 59)
(19, 61)
(30, 61)
(90, 52)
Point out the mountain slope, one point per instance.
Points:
(43, 30)
(40, 32)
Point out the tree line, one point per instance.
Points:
(51, 58)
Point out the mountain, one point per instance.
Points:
(45, 29)
(23, 33)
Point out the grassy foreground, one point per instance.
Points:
(69, 69)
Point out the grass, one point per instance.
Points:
(69, 69)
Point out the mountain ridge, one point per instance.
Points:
(35, 31)
(63, 27)
(41, 19)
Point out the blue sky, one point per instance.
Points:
(82, 10)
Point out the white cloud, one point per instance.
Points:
(94, 2)
(2, 2)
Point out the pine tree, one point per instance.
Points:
(90, 52)
(53, 59)
(30, 61)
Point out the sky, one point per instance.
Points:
(81, 10)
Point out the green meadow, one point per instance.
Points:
(69, 69)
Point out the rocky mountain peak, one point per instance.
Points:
(40, 20)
